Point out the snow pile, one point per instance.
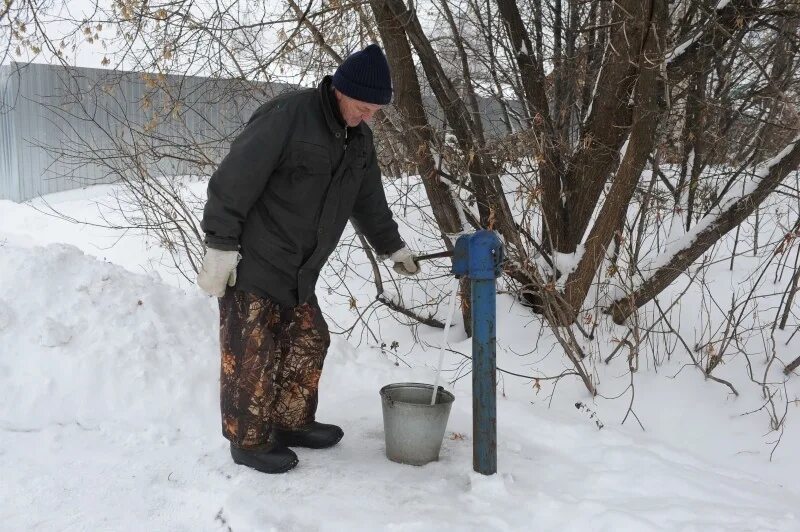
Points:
(87, 341)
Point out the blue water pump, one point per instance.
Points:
(479, 258)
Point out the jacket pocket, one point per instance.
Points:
(310, 159)
(309, 177)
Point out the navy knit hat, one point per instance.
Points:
(364, 76)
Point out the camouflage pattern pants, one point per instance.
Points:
(271, 363)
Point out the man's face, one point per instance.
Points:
(355, 111)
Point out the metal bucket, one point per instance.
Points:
(414, 429)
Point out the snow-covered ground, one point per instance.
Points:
(109, 376)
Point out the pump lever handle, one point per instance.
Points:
(429, 256)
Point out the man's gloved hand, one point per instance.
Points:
(218, 269)
(404, 263)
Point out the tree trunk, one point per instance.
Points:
(547, 154)
(492, 204)
(693, 140)
(418, 137)
(458, 39)
(608, 122)
(649, 87)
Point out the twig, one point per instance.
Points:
(430, 321)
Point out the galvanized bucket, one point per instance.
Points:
(414, 429)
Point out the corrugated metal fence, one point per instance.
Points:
(65, 128)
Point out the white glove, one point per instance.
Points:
(218, 269)
(404, 263)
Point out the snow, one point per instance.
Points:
(109, 371)
(528, 50)
(681, 48)
(624, 149)
(596, 84)
(764, 168)
(566, 263)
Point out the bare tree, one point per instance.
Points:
(585, 133)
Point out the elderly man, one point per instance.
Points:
(303, 166)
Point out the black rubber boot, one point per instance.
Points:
(279, 459)
(314, 435)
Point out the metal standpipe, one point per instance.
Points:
(479, 258)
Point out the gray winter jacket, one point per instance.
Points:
(285, 191)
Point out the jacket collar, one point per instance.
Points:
(331, 110)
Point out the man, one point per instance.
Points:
(277, 205)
